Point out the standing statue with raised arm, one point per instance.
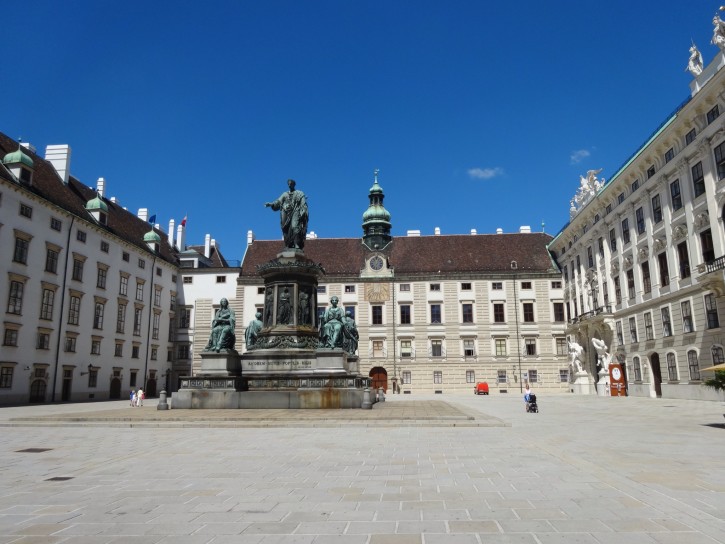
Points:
(293, 216)
(694, 65)
(603, 356)
(575, 356)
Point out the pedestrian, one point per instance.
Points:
(527, 396)
(139, 397)
(133, 398)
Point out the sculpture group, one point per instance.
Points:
(338, 330)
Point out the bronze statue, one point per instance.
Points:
(293, 216)
(255, 325)
(331, 326)
(303, 309)
(350, 335)
(222, 328)
(284, 308)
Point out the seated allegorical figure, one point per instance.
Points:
(222, 328)
(331, 326)
(255, 325)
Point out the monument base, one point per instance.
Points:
(311, 398)
(603, 384)
(582, 384)
(223, 364)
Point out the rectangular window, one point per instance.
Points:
(637, 369)
(496, 286)
(656, 209)
(525, 285)
(639, 216)
(676, 195)
(648, 329)
(157, 297)
(141, 263)
(501, 377)
(435, 313)
(26, 211)
(620, 335)
(646, 280)
(470, 376)
(625, 231)
(405, 318)
(690, 136)
(556, 285)
(501, 347)
(436, 348)
(713, 322)
(686, 317)
(126, 257)
(664, 269)
(46, 304)
(121, 318)
(693, 365)
(590, 257)
(55, 224)
(43, 340)
(139, 290)
(123, 290)
(530, 344)
(698, 179)
(377, 312)
(669, 155)
(608, 209)
(617, 290)
(684, 258)
(666, 323)
(469, 348)
(6, 377)
(81, 236)
(190, 279)
(404, 287)
(134, 352)
(467, 312)
(98, 316)
(713, 114)
(563, 375)
(137, 315)
(20, 255)
(77, 269)
(349, 288)
(635, 185)
(533, 375)
(93, 378)
(378, 349)
(650, 171)
(104, 246)
(561, 347)
(437, 377)
(633, 330)
(156, 325)
(221, 279)
(558, 312)
(613, 240)
(605, 292)
(118, 351)
(708, 249)
(630, 284)
(406, 348)
(465, 287)
(95, 347)
(51, 260)
(74, 310)
(10, 338)
(435, 286)
(70, 344)
(498, 313)
(528, 312)
(671, 367)
(600, 246)
(101, 279)
(407, 377)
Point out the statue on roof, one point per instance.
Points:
(694, 65)
(293, 216)
(718, 35)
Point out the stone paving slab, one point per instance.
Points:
(583, 470)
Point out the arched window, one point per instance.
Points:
(693, 364)
(671, 367)
(637, 369)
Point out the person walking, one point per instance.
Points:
(139, 397)
(133, 398)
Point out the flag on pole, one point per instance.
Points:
(152, 219)
(183, 222)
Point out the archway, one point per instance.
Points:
(37, 391)
(115, 392)
(379, 378)
(150, 388)
(654, 361)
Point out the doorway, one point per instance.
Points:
(379, 378)
(37, 391)
(115, 393)
(656, 373)
(67, 384)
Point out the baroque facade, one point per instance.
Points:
(643, 255)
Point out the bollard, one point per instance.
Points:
(381, 394)
(162, 405)
(366, 404)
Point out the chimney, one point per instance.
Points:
(250, 237)
(28, 146)
(101, 187)
(474, 232)
(311, 235)
(143, 214)
(59, 157)
(413, 233)
(113, 199)
(207, 246)
(437, 231)
(525, 229)
(180, 238)
(499, 230)
(172, 223)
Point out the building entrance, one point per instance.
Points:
(379, 378)
(656, 373)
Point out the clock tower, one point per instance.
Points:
(376, 220)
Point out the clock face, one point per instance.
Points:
(376, 263)
(616, 374)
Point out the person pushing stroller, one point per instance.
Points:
(530, 400)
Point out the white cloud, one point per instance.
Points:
(579, 156)
(485, 173)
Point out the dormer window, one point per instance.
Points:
(26, 175)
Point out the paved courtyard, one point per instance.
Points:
(424, 470)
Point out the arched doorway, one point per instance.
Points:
(379, 378)
(654, 361)
(115, 393)
(37, 391)
(150, 388)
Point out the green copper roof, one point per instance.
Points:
(376, 213)
(152, 236)
(96, 204)
(376, 189)
(18, 157)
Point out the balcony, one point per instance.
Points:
(608, 309)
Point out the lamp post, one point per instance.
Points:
(90, 369)
(515, 266)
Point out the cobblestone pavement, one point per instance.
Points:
(582, 470)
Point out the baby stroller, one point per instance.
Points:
(531, 405)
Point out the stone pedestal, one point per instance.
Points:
(223, 364)
(582, 384)
(603, 384)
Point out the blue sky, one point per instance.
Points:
(478, 114)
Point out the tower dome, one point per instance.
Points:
(376, 219)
